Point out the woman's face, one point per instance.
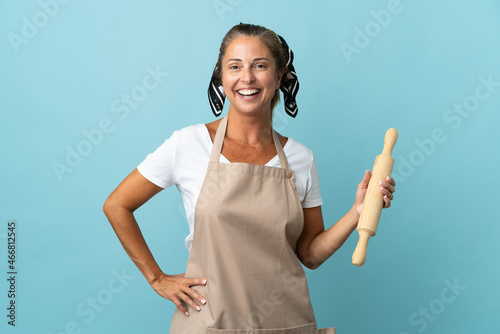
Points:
(249, 75)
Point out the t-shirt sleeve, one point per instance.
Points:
(312, 197)
(158, 167)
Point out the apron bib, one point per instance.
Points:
(247, 221)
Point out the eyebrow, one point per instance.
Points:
(255, 59)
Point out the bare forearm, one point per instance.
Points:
(326, 243)
(126, 228)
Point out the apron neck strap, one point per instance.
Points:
(281, 153)
(219, 140)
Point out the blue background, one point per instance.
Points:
(65, 66)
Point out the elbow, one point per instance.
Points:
(106, 207)
(109, 205)
(115, 207)
(313, 259)
(310, 262)
(312, 265)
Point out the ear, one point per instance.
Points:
(278, 83)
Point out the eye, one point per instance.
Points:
(261, 66)
(233, 67)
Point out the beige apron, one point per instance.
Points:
(247, 221)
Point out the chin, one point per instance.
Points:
(253, 111)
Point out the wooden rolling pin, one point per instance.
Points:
(374, 202)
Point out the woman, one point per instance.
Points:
(251, 197)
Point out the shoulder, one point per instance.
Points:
(189, 135)
(295, 149)
(188, 139)
(194, 130)
(301, 160)
(300, 157)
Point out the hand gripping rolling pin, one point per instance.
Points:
(374, 202)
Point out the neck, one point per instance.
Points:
(249, 129)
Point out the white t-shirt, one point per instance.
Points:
(183, 160)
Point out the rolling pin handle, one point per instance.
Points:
(391, 136)
(359, 255)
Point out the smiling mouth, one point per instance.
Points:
(248, 92)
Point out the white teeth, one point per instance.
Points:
(247, 92)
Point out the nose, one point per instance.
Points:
(247, 75)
